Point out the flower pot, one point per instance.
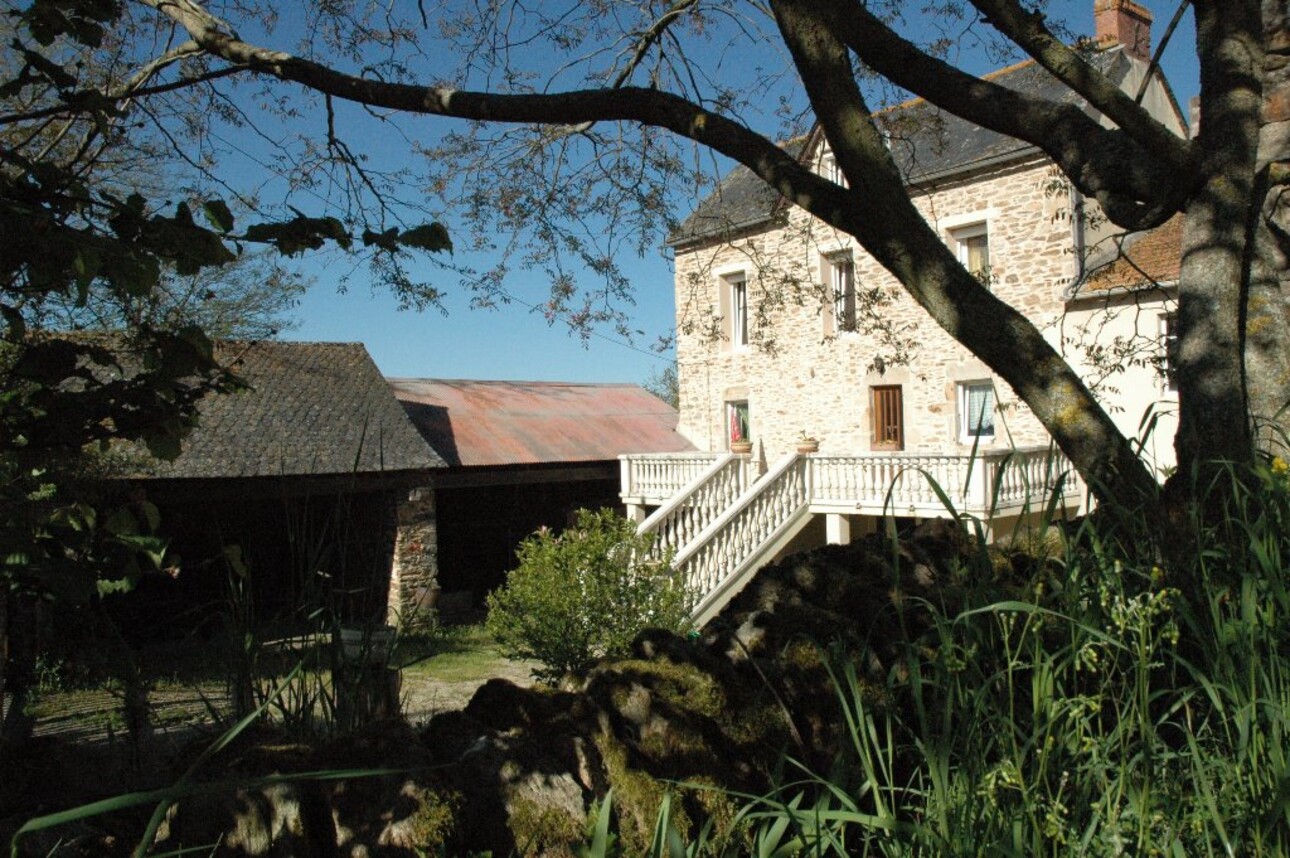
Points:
(366, 646)
(741, 446)
(808, 447)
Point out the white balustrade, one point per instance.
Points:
(718, 559)
(899, 484)
(656, 477)
(719, 527)
(1028, 477)
(696, 505)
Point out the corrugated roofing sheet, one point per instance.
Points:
(479, 423)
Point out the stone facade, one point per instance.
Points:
(798, 370)
(414, 584)
(799, 373)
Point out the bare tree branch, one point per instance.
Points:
(902, 241)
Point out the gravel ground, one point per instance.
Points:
(94, 716)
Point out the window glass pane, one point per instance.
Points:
(738, 311)
(844, 290)
(737, 417)
(977, 253)
(978, 404)
(1169, 333)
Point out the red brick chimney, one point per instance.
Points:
(1123, 22)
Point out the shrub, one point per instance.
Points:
(584, 594)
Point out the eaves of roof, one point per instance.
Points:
(309, 410)
(505, 423)
(937, 147)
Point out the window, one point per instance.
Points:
(976, 411)
(1169, 342)
(842, 281)
(830, 170)
(972, 244)
(887, 409)
(737, 421)
(736, 287)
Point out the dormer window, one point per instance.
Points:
(830, 170)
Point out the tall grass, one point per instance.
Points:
(1106, 701)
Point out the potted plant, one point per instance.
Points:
(739, 440)
(807, 443)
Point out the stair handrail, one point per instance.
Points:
(691, 509)
(715, 561)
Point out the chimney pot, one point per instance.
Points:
(1123, 22)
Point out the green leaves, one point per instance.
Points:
(584, 595)
(299, 234)
(80, 20)
(217, 212)
(431, 237)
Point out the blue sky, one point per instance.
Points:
(515, 343)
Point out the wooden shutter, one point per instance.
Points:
(887, 411)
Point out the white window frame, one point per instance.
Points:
(1169, 352)
(965, 417)
(737, 284)
(733, 309)
(841, 266)
(962, 235)
(830, 170)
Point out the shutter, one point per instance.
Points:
(888, 415)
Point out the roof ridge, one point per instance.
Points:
(991, 75)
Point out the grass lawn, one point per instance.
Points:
(452, 654)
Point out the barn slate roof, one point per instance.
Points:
(491, 423)
(928, 144)
(311, 409)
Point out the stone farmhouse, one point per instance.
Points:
(787, 330)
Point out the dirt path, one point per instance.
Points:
(95, 716)
(424, 697)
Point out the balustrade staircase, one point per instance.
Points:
(722, 526)
(722, 529)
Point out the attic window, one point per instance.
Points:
(830, 170)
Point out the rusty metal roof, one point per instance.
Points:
(474, 423)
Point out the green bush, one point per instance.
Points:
(584, 595)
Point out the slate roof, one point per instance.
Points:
(483, 423)
(312, 409)
(929, 144)
(1143, 259)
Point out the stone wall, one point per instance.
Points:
(799, 374)
(414, 586)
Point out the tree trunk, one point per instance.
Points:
(1267, 323)
(20, 647)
